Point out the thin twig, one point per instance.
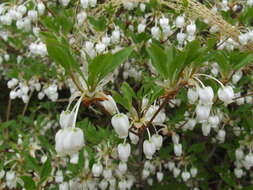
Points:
(8, 110)
(26, 105)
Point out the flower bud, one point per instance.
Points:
(237, 76)
(226, 94)
(121, 125)
(109, 105)
(97, 169)
(66, 119)
(149, 148)
(124, 151)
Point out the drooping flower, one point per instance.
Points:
(120, 123)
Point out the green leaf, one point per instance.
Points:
(159, 59)
(99, 24)
(196, 148)
(29, 184)
(31, 163)
(45, 170)
(246, 60)
(60, 51)
(104, 64)
(223, 61)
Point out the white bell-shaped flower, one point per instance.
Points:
(157, 140)
(176, 172)
(226, 94)
(194, 172)
(185, 175)
(160, 117)
(221, 135)
(159, 176)
(206, 95)
(191, 29)
(239, 154)
(103, 184)
(141, 28)
(175, 138)
(73, 141)
(84, 3)
(121, 125)
(145, 173)
(180, 21)
(206, 128)
(64, 186)
(149, 148)
(192, 95)
(109, 105)
(155, 32)
(122, 167)
(122, 185)
(237, 76)
(214, 120)
(238, 172)
(171, 165)
(249, 159)
(178, 149)
(124, 151)
(59, 140)
(41, 8)
(97, 169)
(69, 141)
(134, 138)
(107, 173)
(163, 22)
(203, 112)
